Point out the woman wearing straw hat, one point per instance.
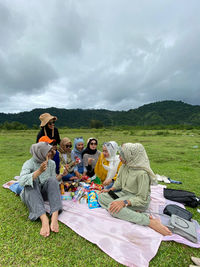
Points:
(48, 127)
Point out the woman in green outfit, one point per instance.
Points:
(134, 179)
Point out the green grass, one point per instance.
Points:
(171, 153)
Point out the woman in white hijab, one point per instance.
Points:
(133, 181)
(38, 177)
(108, 164)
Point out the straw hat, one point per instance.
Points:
(45, 118)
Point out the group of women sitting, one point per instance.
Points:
(128, 174)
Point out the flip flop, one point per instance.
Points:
(196, 260)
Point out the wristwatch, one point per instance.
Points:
(125, 203)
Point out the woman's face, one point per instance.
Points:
(54, 146)
(50, 154)
(80, 146)
(93, 145)
(68, 147)
(51, 124)
(122, 160)
(105, 152)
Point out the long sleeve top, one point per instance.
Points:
(65, 158)
(49, 134)
(136, 182)
(100, 171)
(90, 168)
(30, 166)
(74, 155)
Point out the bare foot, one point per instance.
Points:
(54, 222)
(45, 230)
(156, 225)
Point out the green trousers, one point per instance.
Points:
(127, 213)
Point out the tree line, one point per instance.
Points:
(163, 113)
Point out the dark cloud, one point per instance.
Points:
(98, 54)
(26, 73)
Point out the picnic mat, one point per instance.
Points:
(127, 243)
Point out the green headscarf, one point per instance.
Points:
(136, 157)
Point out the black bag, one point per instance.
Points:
(182, 196)
(174, 209)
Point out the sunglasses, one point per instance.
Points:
(93, 144)
(68, 146)
(51, 122)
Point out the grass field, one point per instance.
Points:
(171, 153)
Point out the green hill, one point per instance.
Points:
(158, 113)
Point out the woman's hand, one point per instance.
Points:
(72, 178)
(104, 191)
(65, 172)
(77, 174)
(107, 182)
(39, 171)
(60, 176)
(90, 160)
(43, 166)
(107, 190)
(116, 206)
(66, 166)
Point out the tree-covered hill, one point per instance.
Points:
(158, 113)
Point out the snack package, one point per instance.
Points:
(85, 185)
(66, 196)
(78, 160)
(94, 186)
(62, 189)
(83, 199)
(78, 194)
(62, 168)
(84, 177)
(96, 180)
(71, 186)
(93, 200)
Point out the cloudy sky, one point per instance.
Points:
(113, 54)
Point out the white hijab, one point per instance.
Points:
(113, 159)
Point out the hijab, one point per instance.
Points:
(136, 157)
(39, 151)
(63, 142)
(76, 141)
(113, 159)
(88, 150)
